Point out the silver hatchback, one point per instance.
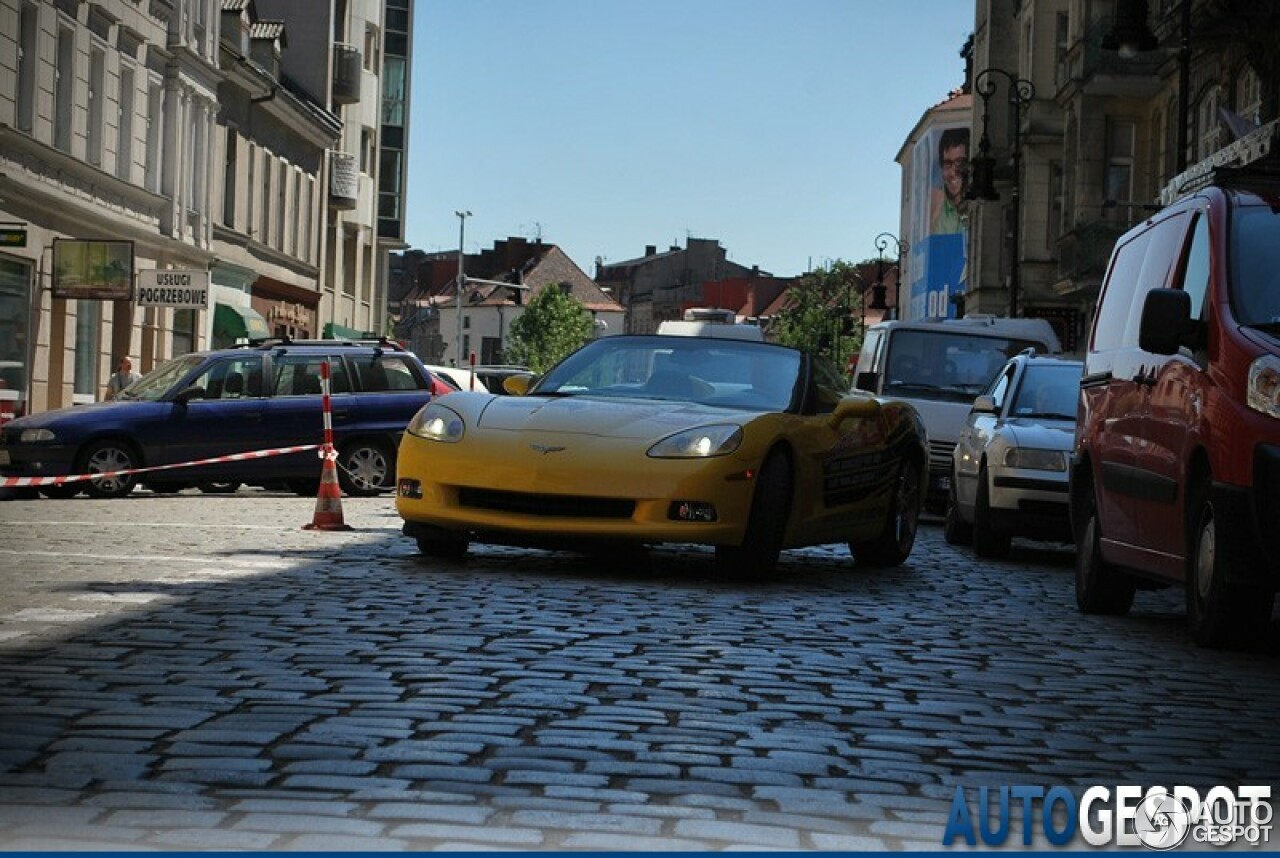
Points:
(1009, 468)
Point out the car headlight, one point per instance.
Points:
(1035, 460)
(719, 439)
(435, 422)
(1264, 385)
(29, 435)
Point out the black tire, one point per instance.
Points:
(988, 539)
(1100, 587)
(303, 487)
(65, 491)
(443, 547)
(956, 530)
(757, 556)
(893, 546)
(1220, 614)
(218, 488)
(105, 456)
(366, 468)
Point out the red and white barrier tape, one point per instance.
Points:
(20, 482)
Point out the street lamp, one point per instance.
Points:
(462, 281)
(878, 291)
(982, 185)
(1131, 35)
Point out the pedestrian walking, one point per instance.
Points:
(121, 378)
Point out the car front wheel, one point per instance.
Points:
(956, 530)
(988, 539)
(108, 457)
(1220, 613)
(366, 468)
(757, 556)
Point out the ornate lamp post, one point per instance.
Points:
(462, 282)
(883, 241)
(1131, 35)
(982, 184)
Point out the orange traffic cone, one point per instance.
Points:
(328, 514)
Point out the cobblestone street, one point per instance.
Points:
(198, 671)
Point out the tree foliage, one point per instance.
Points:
(553, 324)
(822, 315)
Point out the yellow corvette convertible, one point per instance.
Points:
(746, 446)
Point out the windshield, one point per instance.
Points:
(946, 364)
(1048, 391)
(155, 384)
(722, 373)
(1255, 263)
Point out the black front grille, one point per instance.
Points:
(566, 506)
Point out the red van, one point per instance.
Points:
(1175, 474)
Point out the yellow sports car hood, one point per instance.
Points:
(585, 415)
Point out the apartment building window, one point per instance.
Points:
(367, 155)
(1119, 179)
(184, 332)
(25, 97)
(199, 129)
(155, 129)
(88, 341)
(282, 193)
(64, 75)
(1061, 45)
(229, 181)
(305, 243)
(1053, 217)
(124, 126)
(393, 91)
(370, 48)
(1208, 135)
(1249, 95)
(97, 95)
(250, 189)
(264, 222)
(389, 184)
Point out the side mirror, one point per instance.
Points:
(854, 407)
(1166, 321)
(983, 405)
(518, 385)
(867, 381)
(188, 394)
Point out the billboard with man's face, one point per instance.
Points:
(938, 220)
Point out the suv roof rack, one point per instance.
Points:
(1255, 155)
(276, 342)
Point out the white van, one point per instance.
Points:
(939, 366)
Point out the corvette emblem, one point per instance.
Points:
(545, 449)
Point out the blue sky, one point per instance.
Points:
(607, 125)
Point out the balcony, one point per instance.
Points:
(1096, 71)
(346, 74)
(344, 181)
(1083, 253)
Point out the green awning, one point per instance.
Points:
(333, 331)
(238, 323)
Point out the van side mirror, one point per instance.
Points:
(984, 405)
(1166, 321)
(867, 381)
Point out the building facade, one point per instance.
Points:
(1126, 94)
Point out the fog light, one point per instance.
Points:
(408, 488)
(692, 511)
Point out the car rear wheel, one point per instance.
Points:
(1100, 587)
(366, 468)
(757, 556)
(105, 457)
(1220, 613)
(218, 488)
(893, 546)
(956, 530)
(988, 539)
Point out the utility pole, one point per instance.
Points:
(461, 359)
